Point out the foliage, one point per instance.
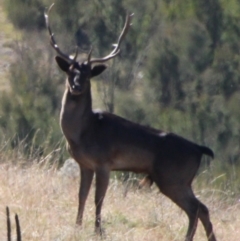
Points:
(30, 19)
(178, 69)
(30, 110)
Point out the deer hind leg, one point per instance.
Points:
(205, 219)
(185, 199)
(102, 180)
(86, 180)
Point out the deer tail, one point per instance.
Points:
(207, 151)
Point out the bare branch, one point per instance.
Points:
(18, 228)
(8, 224)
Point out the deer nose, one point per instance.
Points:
(77, 88)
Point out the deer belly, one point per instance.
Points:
(134, 160)
(87, 162)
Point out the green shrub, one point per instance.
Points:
(25, 14)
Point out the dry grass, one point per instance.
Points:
(47, 204)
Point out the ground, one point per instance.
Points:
(46, 203)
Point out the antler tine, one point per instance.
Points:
(116, 50)
(89, 55)
(75, 56)
(52, 40)
(123, 33)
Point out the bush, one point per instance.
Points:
(29, 111)
(25, 14)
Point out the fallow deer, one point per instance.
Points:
(101, 142)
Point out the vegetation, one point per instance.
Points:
(178, 71)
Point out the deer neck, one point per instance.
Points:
(76, 114)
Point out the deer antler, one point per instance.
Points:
(52, 40)
(71, 59)
(116, 50)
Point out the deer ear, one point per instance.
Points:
(62, 63)
(98, 69)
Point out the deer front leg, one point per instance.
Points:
(102, 180)
(86, 180)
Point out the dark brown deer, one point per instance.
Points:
(101, 142)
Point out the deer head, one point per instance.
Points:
(79, 74)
